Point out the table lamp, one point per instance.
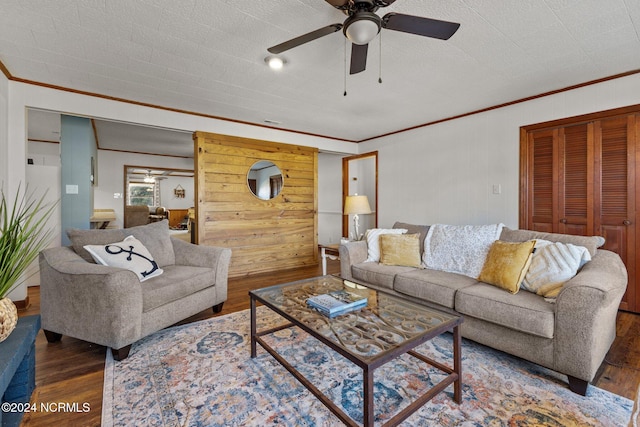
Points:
(356, 205)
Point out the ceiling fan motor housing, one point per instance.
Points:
(361, 27)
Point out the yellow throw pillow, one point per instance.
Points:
(400, 249)
(507, 264)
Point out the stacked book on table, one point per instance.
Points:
(336, 303)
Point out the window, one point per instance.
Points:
(142, 193)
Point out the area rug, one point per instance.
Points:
(201, 374)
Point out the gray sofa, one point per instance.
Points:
(109, 305)
(570, 336)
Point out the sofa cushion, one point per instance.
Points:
(506, 264)
(592, 243)
(432, 285)
(372, 236)
(177, 282)
(400, 249)
(378, 274)
(553, 264)
(459, 248)
(129, 254)
(422, 230)
(524, 311)
(156, 237)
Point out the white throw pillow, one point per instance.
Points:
(373, 241)
(459, 249)
(129, 254)
(552, 264)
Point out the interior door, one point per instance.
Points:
(540, 210)
(615, 195)
(580, 178)
(575, 180)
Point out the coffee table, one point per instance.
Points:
(370, 337)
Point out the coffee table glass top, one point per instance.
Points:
(386, 323)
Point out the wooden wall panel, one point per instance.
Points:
(264, 235)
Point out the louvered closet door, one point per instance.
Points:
(615, 195)
(575, 180)
(581, 179)
(541, 206)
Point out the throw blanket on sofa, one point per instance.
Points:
(459, 248)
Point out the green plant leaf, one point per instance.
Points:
(23, 234)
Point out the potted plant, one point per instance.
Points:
(23, 234)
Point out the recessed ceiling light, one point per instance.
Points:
(275, 62)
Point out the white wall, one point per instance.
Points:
(4, 154)
(440, 173)
(168, 198)
(44, 153)
(41, 178)
(329, 198)
(444, 173)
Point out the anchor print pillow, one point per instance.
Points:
(129, 254)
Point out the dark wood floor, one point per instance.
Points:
(71, 371)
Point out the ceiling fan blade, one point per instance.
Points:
(339, 4)
(305, 38)
(347, 4)
(427, 27)
(358, 58)
(383, 3)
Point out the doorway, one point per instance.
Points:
(360, 176)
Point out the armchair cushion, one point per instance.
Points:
(155, 237)
(81, 238)
(129, 254)
(177, 282)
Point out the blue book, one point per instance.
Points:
(336, 302)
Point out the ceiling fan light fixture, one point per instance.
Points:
(274, 62)
(362, 27)
(148, 178)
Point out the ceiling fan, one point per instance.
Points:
(363, 25)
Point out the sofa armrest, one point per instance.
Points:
(214, 257)
(88, 301)
(351, 253)
(586, 311)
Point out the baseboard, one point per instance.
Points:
(22, 304)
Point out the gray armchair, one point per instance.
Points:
(110, 306)
(135, 215)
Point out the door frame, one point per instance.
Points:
(345, 186)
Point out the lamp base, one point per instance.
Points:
(356, 227)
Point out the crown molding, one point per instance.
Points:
(5, 71)
(507, 104)
(8, 74)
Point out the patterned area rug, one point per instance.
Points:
(201, 374)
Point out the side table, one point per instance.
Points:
(328, 251)
(18, 367)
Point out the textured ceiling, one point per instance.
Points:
(207, 56)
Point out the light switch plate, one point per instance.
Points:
(497, 189)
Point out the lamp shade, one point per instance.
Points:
(356, 205)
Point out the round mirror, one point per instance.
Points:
(265, 180)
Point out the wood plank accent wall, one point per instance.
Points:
(264, 235)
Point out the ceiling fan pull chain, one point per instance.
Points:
(380, 60)
(345, 67)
